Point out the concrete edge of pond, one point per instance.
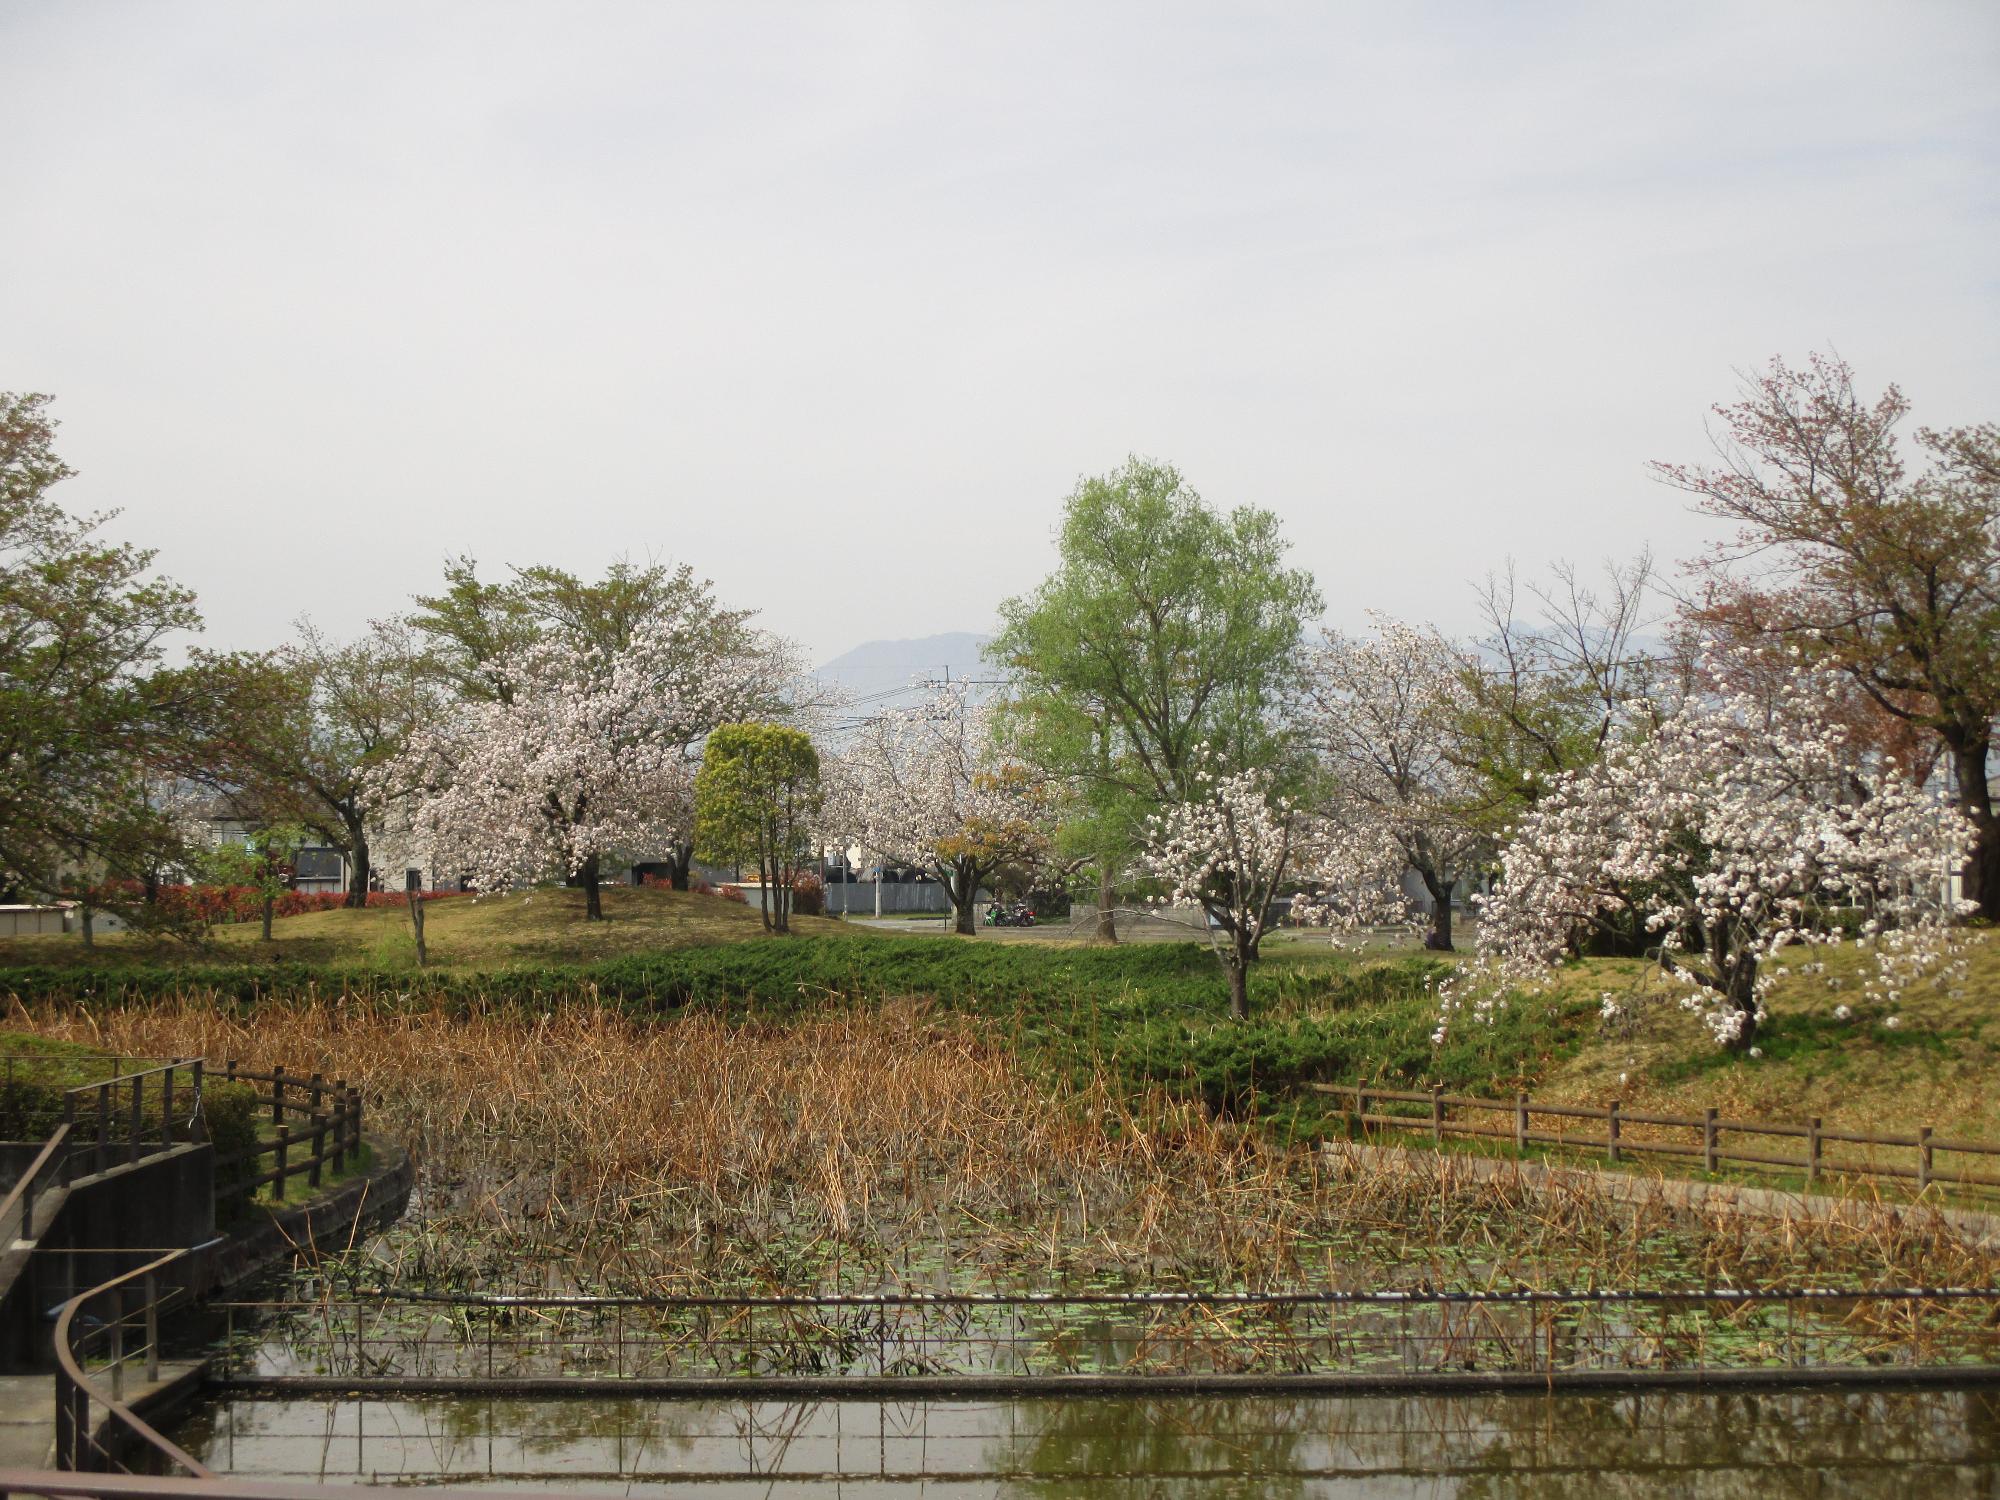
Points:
(1980, 1230)
(953, 1387)
(328, 1221)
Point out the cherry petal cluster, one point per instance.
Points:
(1742, 825)
(1383, 716)
(929, 786)
(1226, 851)
(591, 757)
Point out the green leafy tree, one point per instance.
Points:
(757, 799)
(86, 709)
(266, 862)
(1167, 635)
(307, 729)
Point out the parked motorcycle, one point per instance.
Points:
(1020, 914)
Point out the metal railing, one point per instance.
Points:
(148, 1487)
(414, 1341)
(122, 1329)
(1714, 1143)
(132, 1116)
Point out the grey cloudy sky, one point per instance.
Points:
(836, 302)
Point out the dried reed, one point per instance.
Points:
(897, 1143)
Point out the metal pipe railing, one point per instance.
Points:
(78, 1447)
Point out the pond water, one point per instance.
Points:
(1820, 1444)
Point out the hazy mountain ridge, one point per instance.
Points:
(891, 673)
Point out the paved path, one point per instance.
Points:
(28, 1411)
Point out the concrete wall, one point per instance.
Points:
(858, 897)
(166, 1202)
(31, 921)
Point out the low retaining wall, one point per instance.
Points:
(328, 1223)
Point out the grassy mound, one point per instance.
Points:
(538, 927)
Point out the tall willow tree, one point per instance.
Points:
(1166, 635)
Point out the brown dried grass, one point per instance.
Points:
(895, 1142)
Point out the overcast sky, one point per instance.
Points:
(837, 302)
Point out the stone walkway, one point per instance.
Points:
(28, 1411)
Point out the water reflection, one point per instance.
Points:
(1813, 1446)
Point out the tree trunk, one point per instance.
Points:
(1975, 797)
(1107, 914)
(1741, 988)
(357, 862)
(269, 903)
(680, 856)
(1239, 988)
(89, 937)
(767, 880)
(593, 901)
(1438, 939)
(964, 890)
(1733, 969)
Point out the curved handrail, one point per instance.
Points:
(23, 1191)
(74, 1390)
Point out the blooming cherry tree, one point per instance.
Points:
(1226, 852)
(589, 755)
(1730, 832)
(1384, 718)
(928, 786)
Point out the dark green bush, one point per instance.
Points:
(231, 1114)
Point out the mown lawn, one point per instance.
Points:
(539, 927)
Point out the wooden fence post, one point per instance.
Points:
(167, 1106)
(339, 1126)
(284, 1140)
(1611, 1132)
(103, 1126)
(1708, 1134)
(1812, 1149)
(1437, 1114)
(1520, 1122)
(1361, 1111)
(318, 1147)
(278, 1094)
(1923, 1156)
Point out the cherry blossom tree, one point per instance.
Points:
(587, 756)
(1227, 852)
(1728, 833)
(1385, 718)
(929, 786)
(1887, 570)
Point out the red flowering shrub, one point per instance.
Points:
(808, 895)
(733, 893)
(211, 905)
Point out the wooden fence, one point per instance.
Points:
(327, 1116)
(1716, 1143)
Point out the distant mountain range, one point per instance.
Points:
(879, 674)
